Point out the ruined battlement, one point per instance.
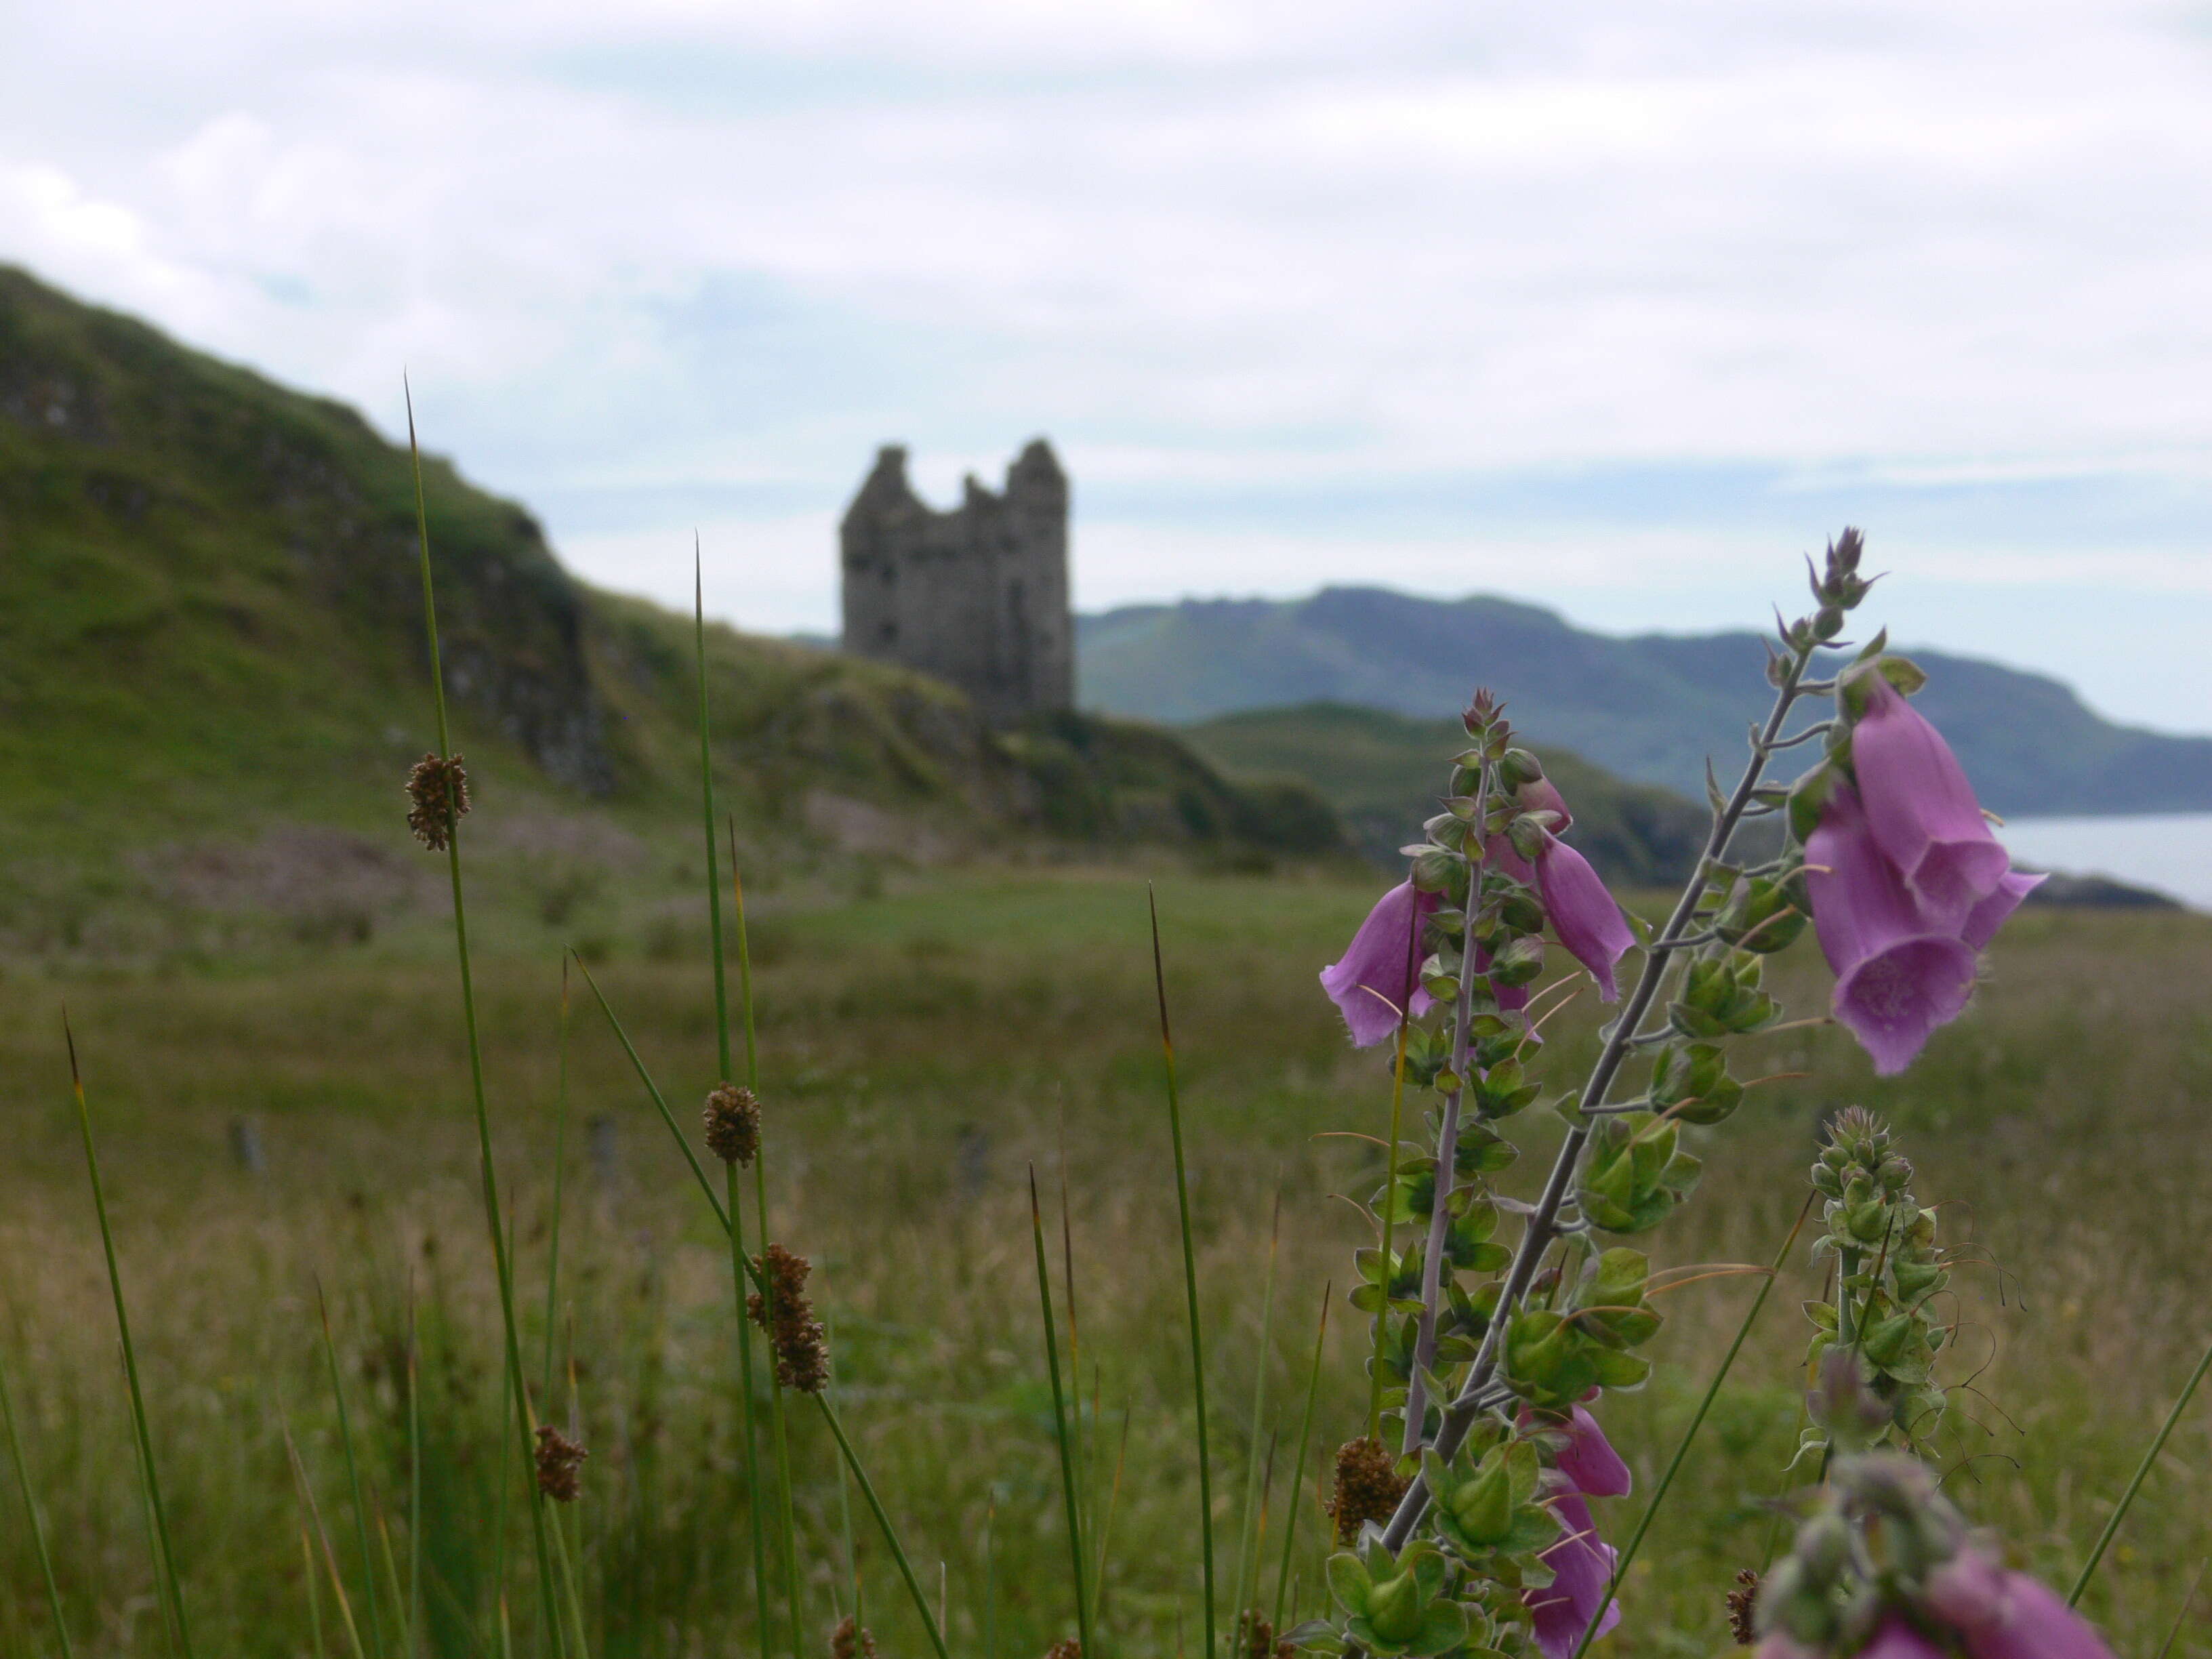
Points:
(977, 596)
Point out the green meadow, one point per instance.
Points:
(287, 1127)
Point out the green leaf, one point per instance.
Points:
(1348, 1582)
(1444, 1627)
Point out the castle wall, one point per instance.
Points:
(977, 596)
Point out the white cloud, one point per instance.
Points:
(1281, 278)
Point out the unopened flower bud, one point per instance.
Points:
(1394, 1607)
(1484, 1506)
(1518, 768)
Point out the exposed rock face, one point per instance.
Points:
(977, 596)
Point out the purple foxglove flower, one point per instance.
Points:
(1985, 918)
(1898, 975)
(1379, 978)
(1590, 1460)
(1542, 795)
(1895, 1639)
(1582, 913)
(1581, 1568)
(2008, 1615)
(1967, 1590)
(1921, 809)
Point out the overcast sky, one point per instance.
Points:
(1617, 306)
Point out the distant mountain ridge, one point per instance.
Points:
(1649, 706)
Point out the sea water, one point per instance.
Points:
(2168, 852)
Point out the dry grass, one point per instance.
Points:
(920, 1051)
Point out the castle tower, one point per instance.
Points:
(977, 596)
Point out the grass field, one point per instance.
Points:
(921, 1049)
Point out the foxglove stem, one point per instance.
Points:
(1543, 1226)
(1424, 1343)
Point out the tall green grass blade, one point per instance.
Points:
(501, 1258)
(1246, 1543)
(391, 1571)
(991, 1579)
(822, 1401)
(375, 1602)
(734, 1194)
(1690, 1433)
(752, 1071)
(1189, 1277)
(164, 1568)
(322, 1536)
(1060, 1424)
(744, 964)
(314, 1592)
(414, 1475)
(560, 1172)
(934, 1631)
(1113, 1504)
(1297, 1504)
(706, 817)
(1085, 1466)
(778, 1419)
(31, 1509)
(564, 1563)
(2181, 1613)
(845, 1516)
(785, 1513)
(155, 1555)
(2135, 1481)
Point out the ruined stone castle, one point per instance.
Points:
(977, 596)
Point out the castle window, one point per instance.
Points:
(888, 633)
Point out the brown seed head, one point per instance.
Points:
(438, 794)
(1069, 1649)
(732, 1117)
(1368, 1486)
(802, 1354)
(558, 1460)
(852, 1640)
(1255, 1637)
(1743, 1609)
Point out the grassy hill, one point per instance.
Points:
(1384, 772)
(210, 632)
(1650, 706)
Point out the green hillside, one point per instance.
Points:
(1384, 773)
(211, 632)
(1650, 706)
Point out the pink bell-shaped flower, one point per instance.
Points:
(1378, 982)
(1581, 1568)
(1899, 975)
(1921, 809)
